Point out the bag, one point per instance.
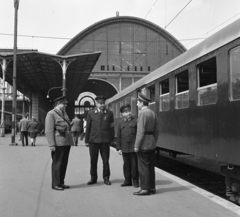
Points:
(61, 129)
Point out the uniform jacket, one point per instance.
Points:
(23, 124)
(147, 130)
(126, 135)
(77, 125)
(53, 124)
(32, 126)
(99, 127)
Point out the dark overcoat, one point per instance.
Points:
(100, 128)
(147, 130)
(126, 135)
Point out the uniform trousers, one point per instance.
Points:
(59, 164)
(104, 149)
(130, 167)
(146, 169)
(24, 134)
(75, 135)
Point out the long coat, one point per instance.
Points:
(77, 125)
(126, 135)
(32, 126)
(55, 123)
(147, 130)
(100, 128)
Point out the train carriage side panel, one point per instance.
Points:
(209, 131)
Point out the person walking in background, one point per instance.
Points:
(23, 124)
(126, 135)
(58, 135)
(77, 128)
(33, 130)
(84, 129)
(99, 135)
(145, 145)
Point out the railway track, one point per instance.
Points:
(207, 180)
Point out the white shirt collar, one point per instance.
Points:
(98, 110)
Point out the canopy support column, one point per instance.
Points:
(64, 65)
(4, 63)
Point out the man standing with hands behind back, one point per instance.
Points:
(99, 135)
(145, 145)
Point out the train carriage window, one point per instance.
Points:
(117, 110)
(133, 104)
(152, 93)
(235, 73)
(110, 107)
(127, 101)
(182, 90)
(114, 109)
(143, 91)
(164, 99)
(207, 82)
(121, 103)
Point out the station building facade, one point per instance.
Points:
(130, 49)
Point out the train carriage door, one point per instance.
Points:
(235, 74)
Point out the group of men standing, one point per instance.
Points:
(136, 142)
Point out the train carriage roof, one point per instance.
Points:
(219, 39)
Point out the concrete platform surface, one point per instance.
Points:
(25, 189)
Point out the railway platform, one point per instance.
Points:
(25, 189)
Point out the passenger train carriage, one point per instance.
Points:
(8, 120)
(196, 97)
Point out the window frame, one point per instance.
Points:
(162, 95)
(178, 94)
(212, 85)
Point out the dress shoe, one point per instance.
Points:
(136, 185)
(141, 193)
(65, 186)
(58, 188)
(126, 184)
(153, 191)
(107, 182)
(91, 182)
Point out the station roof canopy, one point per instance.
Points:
(39, 72)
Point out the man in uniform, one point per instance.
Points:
(77, 128)
(58, 135)
(99, 135)
(145, 144)
(126, 135)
